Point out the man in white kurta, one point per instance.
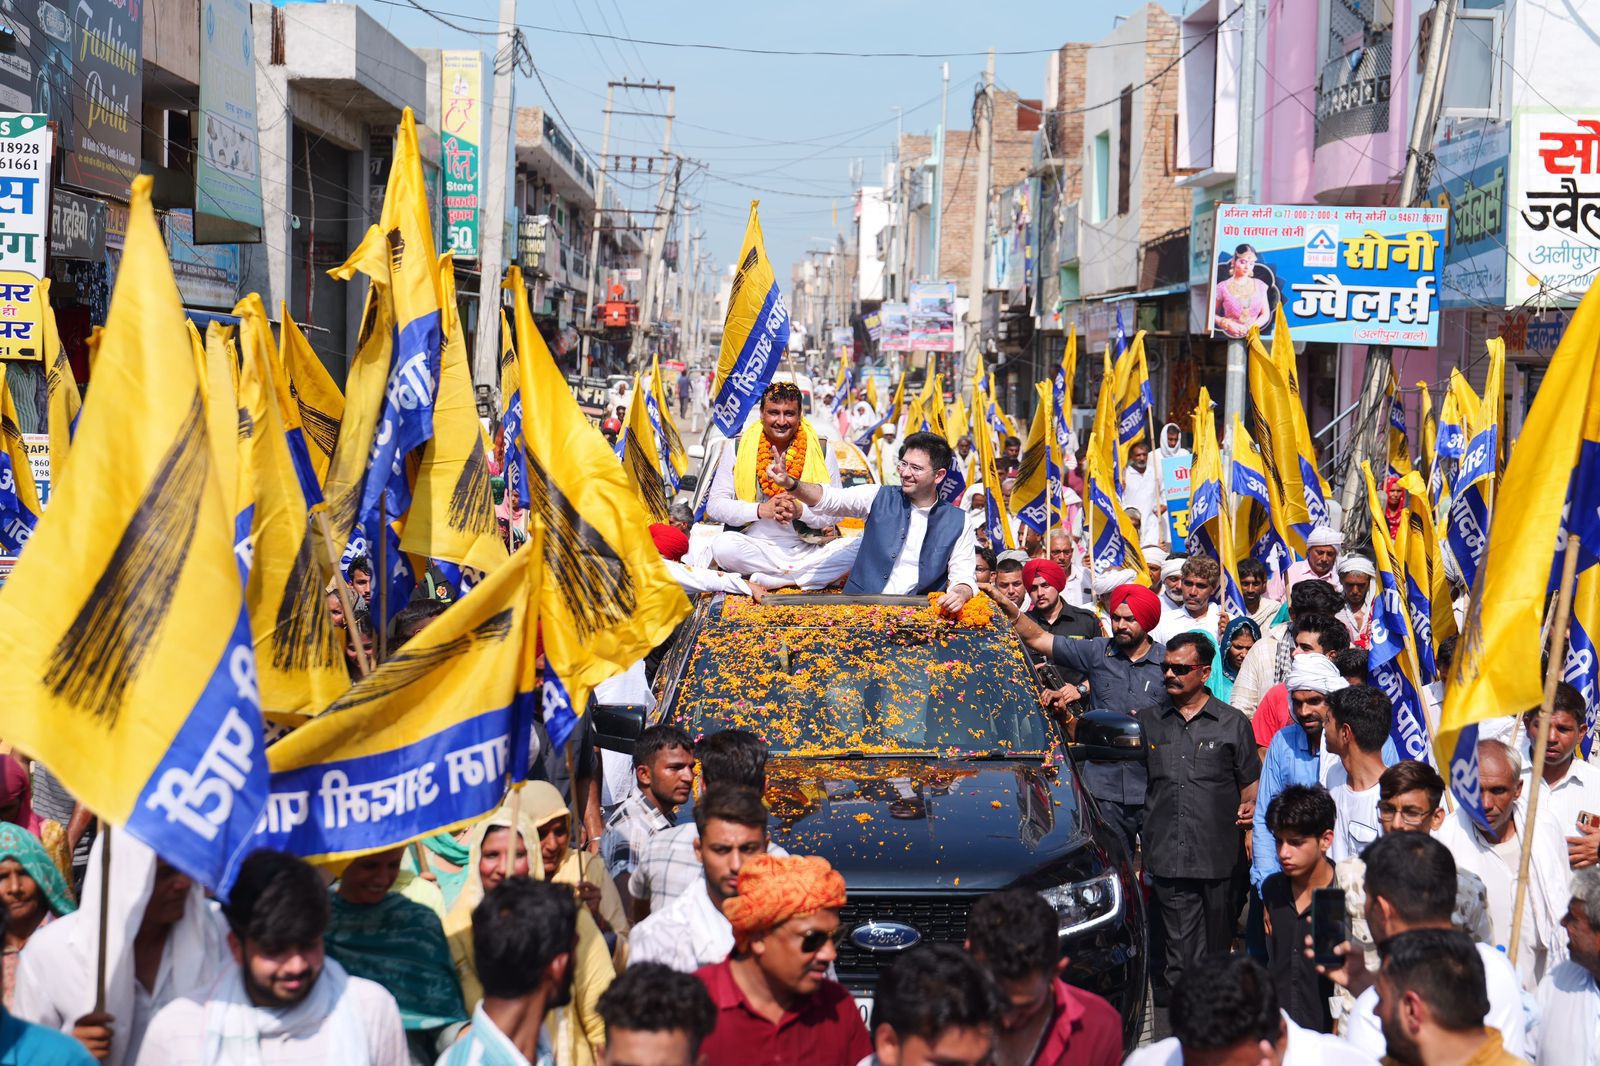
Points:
(56, 974)
(759, 535)
(284, 1002)
(1569, 997)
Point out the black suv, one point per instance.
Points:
(911, 752)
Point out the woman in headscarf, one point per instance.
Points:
(1394, 504)
(33, 892)
(16, 795)
(1238, 637)
(566, 865)
(384, 937)
(576, 1029)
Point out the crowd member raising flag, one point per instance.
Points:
(1392, 662)
(433, 737)
(451, 518)
(300, 658)
(755, 334)
(129, 669)
(606, 599)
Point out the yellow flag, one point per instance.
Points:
(510, 376)
(607, 598)
(1399, 440)
(436, 733)
(1115, 539)
(1103, 432)
(872, 393)
(1311, 480)
(128, 664)
(1495, 667)
(1001, 535)
(221, 390)
(1430, 428)
(299, 654)
(1433, 614)
(452, 507)
(19, 498)
(318, 407)
(640, 456)
(933, 404)
(675, 455)
(61, 387)
(1030, 496)
(755, 334)
(1276, 431)
(955, 422)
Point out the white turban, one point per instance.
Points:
(1153, 554)
(1325, 537)
(1357, 564)
(1172, 567)
(1104, 583)
(1016, 555)
(1314, 673)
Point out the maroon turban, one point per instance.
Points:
(1051, 571)
(1144, 604)
(671, 542)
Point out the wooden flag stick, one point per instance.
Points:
(1552, 676)
(363, 663)
(105, 909)
(516, 840)
(380, 578)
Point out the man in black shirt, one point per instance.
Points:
(1044, 581)
(1199, 800)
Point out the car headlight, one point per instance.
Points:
(1082, 906)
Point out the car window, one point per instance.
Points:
(876, 679)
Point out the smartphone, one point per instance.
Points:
(1588, 822)
(1328, 928)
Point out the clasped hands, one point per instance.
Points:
(782, 507)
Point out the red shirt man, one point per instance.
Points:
(775, 1004)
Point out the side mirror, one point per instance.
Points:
(1108, 736)
(617, 725)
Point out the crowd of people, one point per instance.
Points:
(593, 919)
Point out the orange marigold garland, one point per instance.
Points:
(794, 461)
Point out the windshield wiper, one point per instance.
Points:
(999, 755)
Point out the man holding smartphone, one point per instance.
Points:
(1572, 785)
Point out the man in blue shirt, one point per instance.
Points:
(1296, 755)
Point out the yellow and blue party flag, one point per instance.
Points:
(755, 334)
(1001, 536)
(1392, 657)
(1276, 433)
(429, 740)
(1503, 639)
(1581, 667)
(314, 411)
(1210, 524)
(1114, 543)
(1467, 523)
(1255, 531)
(19, 499)
(639, 448)
(674, 458)
(63, 401)
(1031, 495)
(129, 668)
(1428, 598)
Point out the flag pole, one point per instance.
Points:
(363, 664)
(1552, 676)
(105, 911)
(380, 627)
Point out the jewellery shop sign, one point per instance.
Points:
(1343, 275)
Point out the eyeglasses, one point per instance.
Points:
(811, 942)
(1177, 669)
(1388, 813)
(910, 468)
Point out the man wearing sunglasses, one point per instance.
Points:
(1200, 797)
(774, 1000)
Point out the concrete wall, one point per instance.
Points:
(872, 220)
(1009, 163)
(1291, 45)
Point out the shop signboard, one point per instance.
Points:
(1343, 275)
(36, 71)
(77, 227)
(1469, 181)
(1553, 211)
(896, 320)
(25, 152)
(107, 89)
(933, 316)
(207, 274)
(461, 83)
(227, 177)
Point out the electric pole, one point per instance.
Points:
(984, 113)
(638, 349)
(587, 335)
(1244, 170)
(492, 219)
(938, 182)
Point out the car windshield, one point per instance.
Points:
(819, 679)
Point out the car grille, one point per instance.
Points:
(940, 920)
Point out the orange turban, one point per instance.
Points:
(772, 890)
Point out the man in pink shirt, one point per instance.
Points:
(1044, 1021)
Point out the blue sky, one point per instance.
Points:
(789, 124)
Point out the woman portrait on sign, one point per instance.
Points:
(1243, 300)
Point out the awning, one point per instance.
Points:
(1169, 290)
